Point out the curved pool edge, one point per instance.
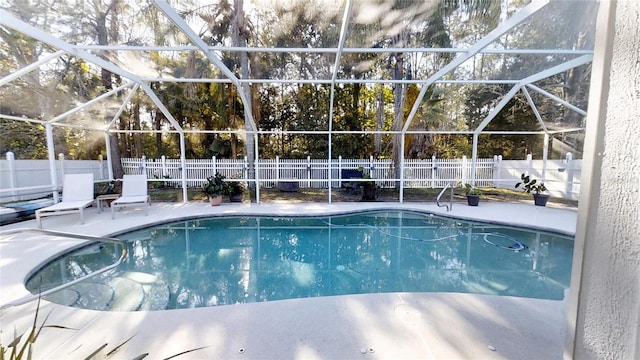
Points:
(473, 313)
(561, 221)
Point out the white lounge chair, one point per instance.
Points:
(134, 192)
(77, 194)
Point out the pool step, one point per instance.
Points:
(86, 295)
(127, 294)
(132, 291)
(156, 291)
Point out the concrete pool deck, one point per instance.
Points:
(370, 326)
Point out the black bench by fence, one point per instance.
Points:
(352, 187)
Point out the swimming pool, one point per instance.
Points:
(231, 260)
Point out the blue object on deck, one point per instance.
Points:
(352, 187)
(14, 211)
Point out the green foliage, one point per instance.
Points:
(530, 184)
(18, 349)
(235, 187)
(471, 189)
(25, 140)
(215, 185)
(517, 115)
(22, 346)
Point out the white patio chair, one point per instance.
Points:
(134, 192)
(77, 194)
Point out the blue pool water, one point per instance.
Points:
(231, 260)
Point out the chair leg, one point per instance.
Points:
(38, 220)
(113, 213)
(81, 216)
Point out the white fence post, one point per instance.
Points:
(497, 170)
(340, 171)
(163, 160)
(101, 166)
(13, 180)
(277, 169)
(61, 162)
(309, 171)
(465, 179)
(434, 169)
(570, 174)
(143, 165)
(371, 167)
(245, 167)
(530, 164)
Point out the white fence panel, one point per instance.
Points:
(562, 177)
(27, 179)
(314, 173)
(31, 179)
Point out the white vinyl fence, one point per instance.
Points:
(561, 177)
(314, 173)
(30, 179)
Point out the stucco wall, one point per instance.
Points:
(608, 303)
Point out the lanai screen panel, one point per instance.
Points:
(291, 49)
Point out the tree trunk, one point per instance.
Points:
(157, 126)
(116, 161)
(137, 137)
(379, 119)
(239, 38)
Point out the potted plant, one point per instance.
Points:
(369, 188)
(235, 189)
(473, 194)
(532, 186)
(215, 187)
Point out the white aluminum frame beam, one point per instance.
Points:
(584, 59)
(524, 82)
(90, 102)
(177, 20)
(122, 107)
(29, 68)
(21, 118)
(10, 21)
(343, 36)
(534, 108)
(367, 50)
(556, 98)
(500, 30)
(328, 81)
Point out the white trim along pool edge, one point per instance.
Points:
(370, 326)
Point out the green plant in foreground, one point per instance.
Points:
(215, 185)
(471, 189)
(22, 346)
(529, 185)
(19, 349)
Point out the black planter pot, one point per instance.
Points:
(473, 200)
(235, 198)
(540, 199)
(369, 193)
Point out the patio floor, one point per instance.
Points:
(370, 326)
